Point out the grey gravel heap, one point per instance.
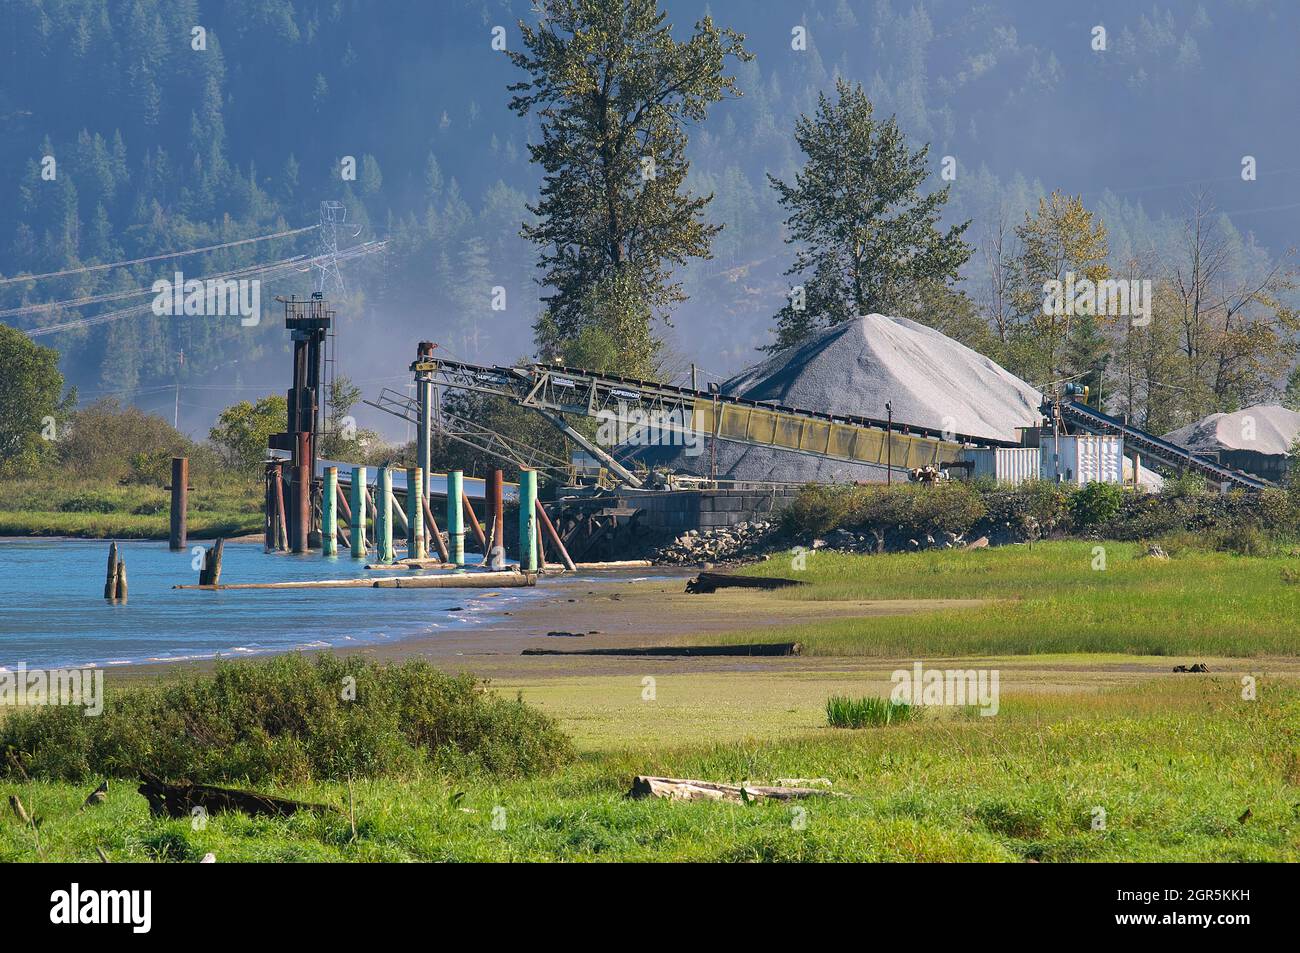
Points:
(855, 368)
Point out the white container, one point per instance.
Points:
(1082, 458)
(1010, 465)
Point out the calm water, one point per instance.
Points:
(52, 610)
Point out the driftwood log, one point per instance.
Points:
(679, 651)
(707, 582)
(685, 789)
(180, 800)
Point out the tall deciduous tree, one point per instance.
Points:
(32, 404)
(614, 92)
(866, 237)
(1062, 237)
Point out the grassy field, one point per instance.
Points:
(1173, 764)
(37, 508)
(1048, 598)
(1091, 757)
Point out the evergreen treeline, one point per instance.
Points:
(160, 146)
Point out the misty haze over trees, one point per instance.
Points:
(1118, 163)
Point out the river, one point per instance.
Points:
(52, 610)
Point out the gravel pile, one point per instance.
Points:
(855, 368)
(1264, 428)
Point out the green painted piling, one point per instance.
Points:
(329, 513)
(528, 520)
(358, 512)
(415, 514)
(456, 517)
(384, 516)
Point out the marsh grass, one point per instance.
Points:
(52, 507)
(1173, 775)
(1047, 598)
(845, 712)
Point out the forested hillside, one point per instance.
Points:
(161, 147)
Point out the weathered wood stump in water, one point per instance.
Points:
(210, 574)
(685, 789)
(707, 582)
(120, 591)
(180, 800)
(110, 580)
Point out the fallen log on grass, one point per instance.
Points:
(678, 651)
(686, 789)
(707, 582)
(181, 800)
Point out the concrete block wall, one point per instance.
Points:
(680, 510)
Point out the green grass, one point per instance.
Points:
(1173, 763)
(103, 511)
(1046, 598)
(845, 712)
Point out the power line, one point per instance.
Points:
(267, 272)
(141, 261)
(70, 303)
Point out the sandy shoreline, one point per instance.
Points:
(641, 608)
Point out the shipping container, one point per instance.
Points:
(1082, 458)
(1011, 465)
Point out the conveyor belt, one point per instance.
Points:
(1180, 458)
(554, 389)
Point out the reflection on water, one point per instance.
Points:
(52, 609)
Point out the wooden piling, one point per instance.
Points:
(358, 512)
(218, 551)
(497, 507)
(414, 517)
(120, 592)
(541, 546)
(528, 520)
(268, 509)
(472, 517)
(329, 507)
(555, 537)
(455, 517)
(434, 533)
(110, 578)
(210, 574)
(384, 516)
(302, 479)
(180, 502)
(282, 530)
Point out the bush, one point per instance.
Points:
(87, 503)
(116, 443)
(289, 719)
(906, 510)
(1096, 503)
(1244, 539)
(820, 508)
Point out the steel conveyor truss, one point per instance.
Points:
(556, 390)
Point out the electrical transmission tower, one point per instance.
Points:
(329, 280)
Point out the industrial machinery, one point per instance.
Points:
(554, 391)
(309, 323)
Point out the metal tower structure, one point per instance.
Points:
(329, 280)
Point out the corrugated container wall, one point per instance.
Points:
(1011, 465)
(1083, 458)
